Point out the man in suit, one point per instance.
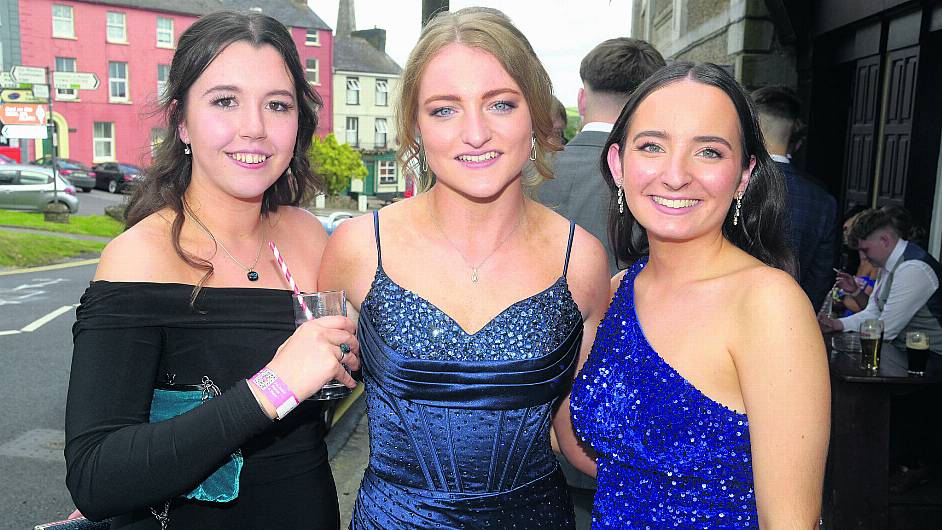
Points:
(812, 211)
(610, 72)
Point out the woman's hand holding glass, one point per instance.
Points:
(313, 355)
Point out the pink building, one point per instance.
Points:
(129, 45)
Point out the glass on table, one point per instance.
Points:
(871, 342)
(322, 304)
(917, 352)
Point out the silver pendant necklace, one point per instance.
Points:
(475, 268)
(250, 272)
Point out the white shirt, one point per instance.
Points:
(912, 286)
(780, 158)
(598, 126)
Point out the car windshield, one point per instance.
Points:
(127, 168)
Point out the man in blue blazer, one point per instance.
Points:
(610, 72)
(812, 211)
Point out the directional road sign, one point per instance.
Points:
(79, 80)
(22, 95)
(23, 114)
(41, 92)
(6, 80)
(28, 74)
(36, 132)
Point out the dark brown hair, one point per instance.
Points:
(619, 65)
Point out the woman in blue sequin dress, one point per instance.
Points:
(706, 392)
(476, 303)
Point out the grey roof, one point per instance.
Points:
(284, 11)
(354, 54)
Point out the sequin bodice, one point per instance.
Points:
(669, 457)
(459, 422)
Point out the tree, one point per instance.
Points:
(337, 163)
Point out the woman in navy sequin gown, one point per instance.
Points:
(706, 392)
(475, 302)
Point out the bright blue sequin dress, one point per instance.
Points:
(668, 456)
(459, 422)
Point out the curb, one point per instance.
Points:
(79, 263)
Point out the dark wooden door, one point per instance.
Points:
(902, 66)
(861, 131)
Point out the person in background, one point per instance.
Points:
(706, 394)
(209, 307)
(560, 120)
(476, 303)
(812, 211)
(853, 289)
(610, 72)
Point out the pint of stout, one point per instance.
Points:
(871, 341)
(917, 351)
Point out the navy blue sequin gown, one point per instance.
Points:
(668, 456)
(459, 422)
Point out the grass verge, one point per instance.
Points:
(29, 250)
(92, 225)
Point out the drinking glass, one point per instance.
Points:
(917, 352)
(322, 304)
(871, 342)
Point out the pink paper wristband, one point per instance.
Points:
(281, 397)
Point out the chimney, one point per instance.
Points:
(376, 37)
(346, 21)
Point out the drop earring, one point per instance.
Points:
(186, 149)
(737, 211)
(621, 201)
(533, 148)
(424, 160)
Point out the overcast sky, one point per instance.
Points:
(561, 31)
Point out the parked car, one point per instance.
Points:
(116, 177)
(80, 175)
(4, 159)
(28, 187)
(332, 221)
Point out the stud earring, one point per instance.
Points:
(533, 148)
(621, 202)
(186, 149)
(737, 211)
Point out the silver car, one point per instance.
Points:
(27, 187)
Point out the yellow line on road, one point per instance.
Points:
(79, 263)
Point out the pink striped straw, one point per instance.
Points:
(290, 280)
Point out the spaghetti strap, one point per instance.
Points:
(379, 249)
(572, 230)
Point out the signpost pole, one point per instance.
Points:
(52, 136)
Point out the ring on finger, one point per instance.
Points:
(344, 350)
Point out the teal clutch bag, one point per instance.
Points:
(172, 400)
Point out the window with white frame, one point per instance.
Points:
(66, 64)
(63, 25)
(312, 38)
(117, 27)
(103, 141)
(382, 92)
(380, 133)
(353, 126)
(311, 71)
(353, 91)
(164, 32)
(117, 81)
(386, 170)
(163, 72)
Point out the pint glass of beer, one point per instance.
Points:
(871, 341)
(917, 351)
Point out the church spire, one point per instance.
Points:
(346, 20)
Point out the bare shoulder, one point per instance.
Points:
(768, 291)
(301, 238)
(121, 260)
(350, 258)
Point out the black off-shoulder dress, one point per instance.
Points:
(130, 336)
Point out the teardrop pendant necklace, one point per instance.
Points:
(250, 272)
(475, 268)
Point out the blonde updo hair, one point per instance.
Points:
(491, 31)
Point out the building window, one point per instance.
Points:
(353, 126)
(386, 169)
(63, 25)
(66, 64)
(164, 32)
(353, 91)
(117, 27)
(103, 141)
(380, 133)
(163, 72)
(311, 73)
(382, 92)
(117, 81)
(312, 38)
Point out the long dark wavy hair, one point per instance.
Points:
(168, 177)
(762, 225)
